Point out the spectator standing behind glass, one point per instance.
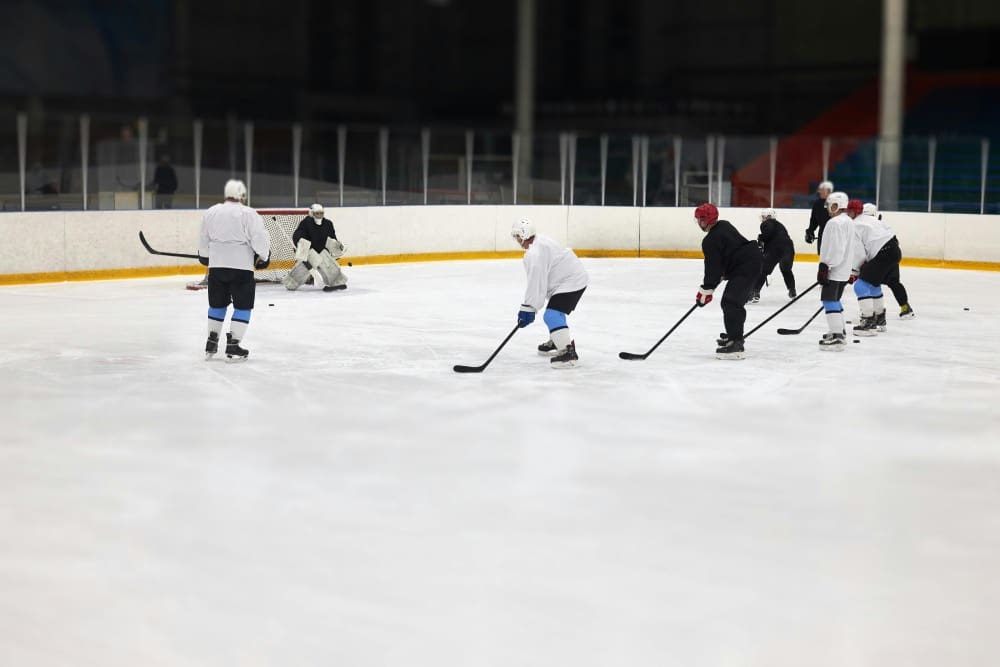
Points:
(164, 183)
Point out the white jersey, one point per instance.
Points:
(870, 234)
(837, 250)
(552, 269)
(230, 235)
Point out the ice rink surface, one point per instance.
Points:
(344, 498)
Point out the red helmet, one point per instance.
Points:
(706, 215)
(855, 207)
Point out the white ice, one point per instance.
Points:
(344, 498)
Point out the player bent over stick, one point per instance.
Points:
(316, 249)
(233, 242)
(835, 258)
(728, 256)
(557, 274)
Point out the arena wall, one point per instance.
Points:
(55, 246)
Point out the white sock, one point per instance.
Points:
(561, 338)
(836, 322)
(878, 305)
(214, 325)
(238, 329)
(867, 307)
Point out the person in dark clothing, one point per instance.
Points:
(819, 216)
(728, 256)
(778, 251)
(164, 183)
(316, 250)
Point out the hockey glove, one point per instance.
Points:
(525, 316)
(853, 278)
(704, 297)
(810, 237)
(203, 260)
(823, 274)
(259, 263)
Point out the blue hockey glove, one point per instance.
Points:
(525, 316)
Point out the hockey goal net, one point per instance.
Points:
(280, 224)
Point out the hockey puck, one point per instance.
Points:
(270, 304)
(857, 341)
(352, 264)
(965, 309)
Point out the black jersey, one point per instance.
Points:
(773, 235)
(728, 253)
(819, 216)
(317, 234)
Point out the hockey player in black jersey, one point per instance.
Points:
(778, 251)
(819, 215)
(316, 249)
(728, 256)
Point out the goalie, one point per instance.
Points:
(316, 252)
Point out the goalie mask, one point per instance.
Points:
(316, 211)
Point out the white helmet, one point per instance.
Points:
(825, 185)
(236, 190)
(523, 230)
(316, 211)
(870, 209)
(767, 214)
(838, 198)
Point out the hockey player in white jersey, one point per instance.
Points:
(233, 242)
(876, 261)
(835, 259)
(557, 274)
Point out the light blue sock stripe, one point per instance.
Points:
(218, 314)
(241, 316)
(554, 319)
(833, 307)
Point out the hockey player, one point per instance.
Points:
(835, 259)
(728, 255)
(778, 251)
(233, 242)
(876, 258)
(554, 273)
(316, 249)
(892, 280)
(819, 215)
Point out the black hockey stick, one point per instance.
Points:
(479, 369)
(166, 254)
(796, 332)
(780, 310)
(631, 356)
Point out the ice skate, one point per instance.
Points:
(791, 293)
(880, 324)
(233, 350)
(547, 349)
(722, 339)
(565, 359)
(834, 342)
(211, 345)
(906, 313)
(866, 327)
(731, 349)
(754, 297)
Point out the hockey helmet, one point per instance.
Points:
(235, 190)
(706, 215)
(854, 208)
(837, 198)
(825, 185)
(767, 214)
(522, 230)
(316, 211)
(870, 209)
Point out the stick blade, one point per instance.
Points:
(630, 356)
(458, 368)
(789, 332)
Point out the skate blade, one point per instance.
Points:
(209, 356)
(235, 360)
(865, 334)
(730, 356)
(560, 365)
(839, 347)
(882, 329)
(548, 354)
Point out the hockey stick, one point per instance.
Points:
(631, 356)
(795, 332)
(166, 254)
(479, 369)
(780, 310)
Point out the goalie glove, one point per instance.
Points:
(335, 247)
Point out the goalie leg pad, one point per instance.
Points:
(296, 276)
(328, 268)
